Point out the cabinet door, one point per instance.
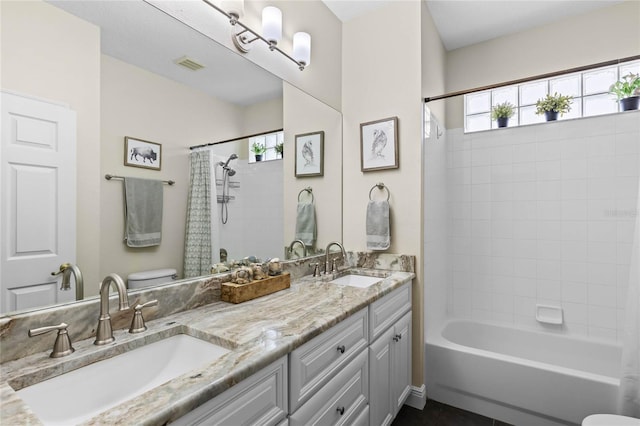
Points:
(381, 408)
(260, 399)
(401, 362)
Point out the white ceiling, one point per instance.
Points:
(140, 34)
(465, 22)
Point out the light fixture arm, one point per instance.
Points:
(241, 41)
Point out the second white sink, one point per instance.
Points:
(77, 396)
(360, 281)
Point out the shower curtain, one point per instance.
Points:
(629, 397)
(197, 246)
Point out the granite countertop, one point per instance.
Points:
(256, 332)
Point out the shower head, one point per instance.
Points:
(230, 171)
(231, 157)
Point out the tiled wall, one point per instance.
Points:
(544, 214)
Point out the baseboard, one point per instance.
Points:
(417, 397)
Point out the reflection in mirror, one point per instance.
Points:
(114, 64)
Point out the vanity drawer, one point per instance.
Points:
(342, 401)
(260, 399)
(316, 362)
(386, 311)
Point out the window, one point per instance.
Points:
(269, 140)
(590, 91)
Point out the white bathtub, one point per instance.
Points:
(519, 376)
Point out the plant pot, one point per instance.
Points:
(551, 115)
(258, 157)
(502, 121)
(630, 103)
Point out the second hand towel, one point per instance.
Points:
(378, 234)
(306, 223)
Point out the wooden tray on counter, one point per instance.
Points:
(238, 293)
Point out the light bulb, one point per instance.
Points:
(272, 24)
(302, 48)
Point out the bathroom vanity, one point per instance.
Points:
(316, 352)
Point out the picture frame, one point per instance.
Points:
(141, 153)
(309, 156)
(379, 145)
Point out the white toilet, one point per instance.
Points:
(609, 420)
(150, 278)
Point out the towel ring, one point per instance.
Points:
(307, 189)
(380, 186)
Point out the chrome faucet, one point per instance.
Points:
(66, 269)
(332, 268)
(293, 243)
(104, 333)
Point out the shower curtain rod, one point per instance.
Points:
(532, 78)
(235, 139)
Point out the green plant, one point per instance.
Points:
(627, 87)
(503, 110)
(279, 147)
(556, 102)
(258, 148)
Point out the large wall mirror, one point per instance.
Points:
(116, 65)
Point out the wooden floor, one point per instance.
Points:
(437, 414)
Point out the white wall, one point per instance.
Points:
(144, 105)
(50, 54)
(544, 214)
(382, 77)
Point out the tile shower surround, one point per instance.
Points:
(544, 214)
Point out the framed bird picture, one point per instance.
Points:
(310, 154)
(379, 144)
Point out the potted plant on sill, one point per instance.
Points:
(258, 150)
(280, 149)
(628, 91)
(552, 105)
(502, 112)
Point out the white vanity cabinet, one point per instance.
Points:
(390, 355)
(259, 399)
(317, 361)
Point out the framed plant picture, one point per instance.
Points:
(141, 153)
(379, 144)
(310, 154)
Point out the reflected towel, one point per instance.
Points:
(306, 223)
(143, 212)
(378, 235)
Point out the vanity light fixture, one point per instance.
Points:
(244, 36)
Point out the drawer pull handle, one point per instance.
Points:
(340, 410)
(341, 349)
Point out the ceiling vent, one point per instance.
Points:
(189, 63)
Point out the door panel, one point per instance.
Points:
(38, 190)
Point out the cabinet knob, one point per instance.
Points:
(341, 349)
(399, 337)
(340, 410)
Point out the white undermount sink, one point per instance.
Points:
(354, 280)
(77, 396)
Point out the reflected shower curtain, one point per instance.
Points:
(197, 245)
(629, 398)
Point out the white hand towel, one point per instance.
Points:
(143, 205)
(306, 223)
(378, 234)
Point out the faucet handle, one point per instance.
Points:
(316, 269)
(63, 267)
(62, 345)
(137, 322)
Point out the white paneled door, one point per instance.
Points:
(38, 195)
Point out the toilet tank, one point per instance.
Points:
(150, 278)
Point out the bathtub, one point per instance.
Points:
(519, 376)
